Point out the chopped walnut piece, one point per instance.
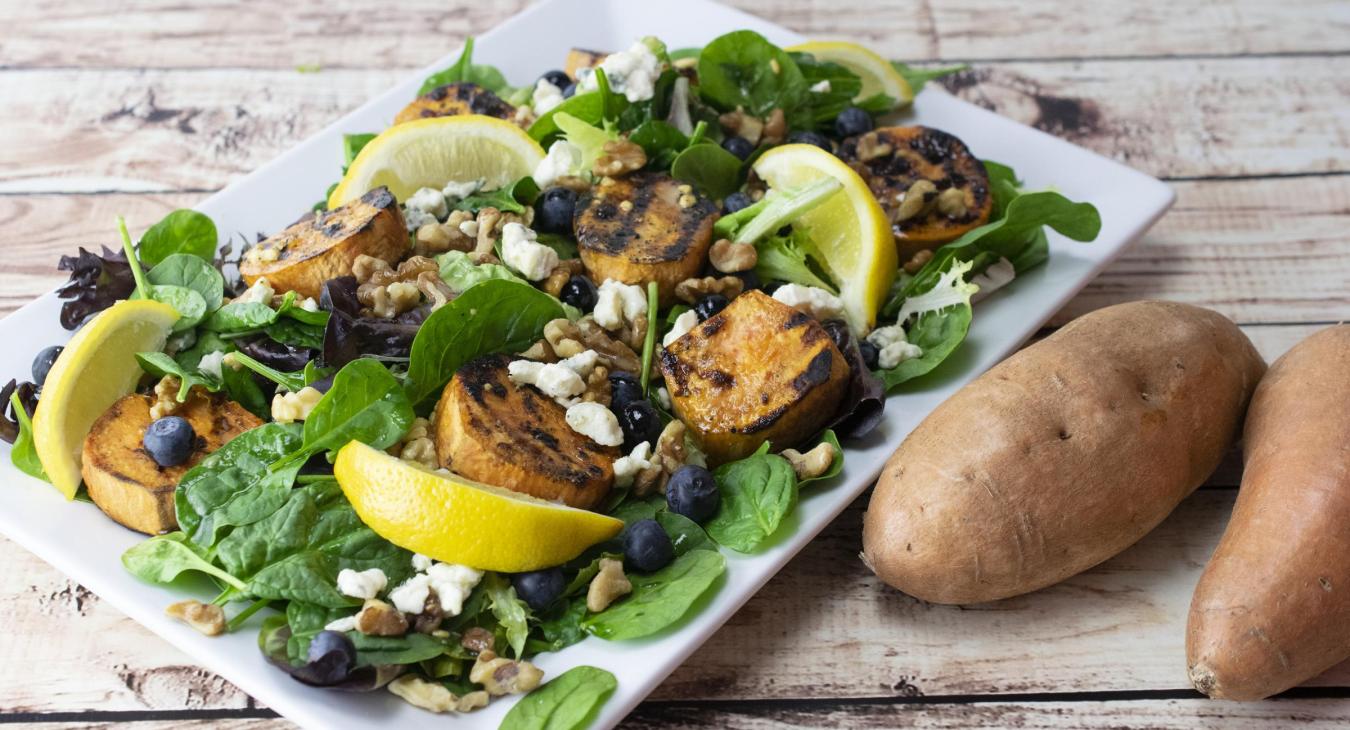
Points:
(389, 292)
(598, 389)
(619, 157)
(692, 290)
(813, 463)
(477, 640)
(204, 617)
(739, 124)
(540, 351)
(487, 235)
(166, 398)
(417, 446)
(952, 203)
(918, 261)
(915, 200)
(668, 456)
(433, 696)
(502, 676)
(609, 585)
(378, 618)
(429, 620)
(434, 288)
(568, 338)
(729, 258)
(871, 146)
(775, 127)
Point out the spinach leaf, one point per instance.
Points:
(844, 87)
(190, 305)
(743, 69)
(158, 364)
(685, 534)
(240, 386)
(263, 497)
(24, 454)
(305, 620)
(460, 273)
(660, 140)
(240, 317)
(163, 558)
(192, 272)
(293, 332)
(290, 381)
(407, 649)
(509, 610)
(513, 198)
(565, 247)
(494, 316)
(938, 334)
(366, 404)
(290, 307)
(352, 144)
(658, 599)
(714, 171)
(838, 465)
(229, 470)
(567, 702)
(465, 70)
(588, 107)
(560, 629)
(286, 531)
(182, 231)
(918, 77)
(310, 575)
(757, 493)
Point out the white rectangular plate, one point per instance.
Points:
(80, 541)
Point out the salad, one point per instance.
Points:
(534, 363)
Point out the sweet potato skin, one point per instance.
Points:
(1272, 608)
(1061, 456)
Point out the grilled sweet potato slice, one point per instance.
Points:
(757, 371)
(455, 99)
(496, 432)
(126, 483)
(579, 58)
(634, 230)
(322, 246)
(892, 159)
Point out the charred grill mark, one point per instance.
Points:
(816, 373)
(812, 335)
(379, 197)
(713, 325)
(764, 421)
(676, 370)
(544, 437)
(720, 379)
(796, 319)
(439, 93)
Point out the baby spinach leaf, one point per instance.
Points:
(366, 404)
(465, 70)
(264, 497)
(494, 316)
(190, 305)
(843, 87)
(305, 620)
(192, 272)
(918, 77)
(290, 381)
(290, 307)
(293, 332)
(513, 198)
(567, 702)
(246, 550)
(159, 365)
(560, 629)
(757, 493)
(24, 454)
(938, 334)
(743, 69)
(240, 317)
(714, 171)
(407, 649)
(163, 558)
(661, 141)
(352, 144)
(182, 231)
(510, 611)
(231, 469)
(310, 575)
(685, 534)
(240, 386)
(588, 107)
(460, 273)
(658, 599)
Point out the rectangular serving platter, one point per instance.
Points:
(87, 545)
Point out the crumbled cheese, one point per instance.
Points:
(582, 363)
(628, 467)
(420, 562)
(309, 304)
(469, 228)
(522, 252)
(411, 595)
(342, 624)
(546, 96)
(596, 422)
(291, 407)
(261, 293)
(460, 190)
(619, 303)
(812, 300)
(556, 380)
(998, 275)
(453, 584)
(632, 73)
(430, 201)
(663, 397)
(210, 364)
(821, 87)
(362, 583)
(563, 159)
(415, 218)
(893, 347)
(681, 327)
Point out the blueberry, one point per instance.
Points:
(710, 305)
(735, 202)
(624, 388)
(647, 547)
(553, 211)
(330, 658)
(569, 91)
(42, 364)
(692, 492)
(580, 292)
(558, 78)
(749, 279)
(784, 231)
(639, 422)
(739, 146)
(815, 138)
(771, 287)
(170, 440)
(870, 354)
(539, 588)
(852, 121)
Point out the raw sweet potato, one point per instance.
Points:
(1273, 606)
(1061, 456)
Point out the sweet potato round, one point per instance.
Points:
(1273, 606)
(1061, 456)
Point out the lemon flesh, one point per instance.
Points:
(454, 520)
(428, 153)
(849, 229)
(97, 367)
(877, 74)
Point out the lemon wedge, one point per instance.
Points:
(97, 367)
(428, 153)
(849, 229)
(877, 74)
(455, 520)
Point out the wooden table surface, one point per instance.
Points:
(1242, 105)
